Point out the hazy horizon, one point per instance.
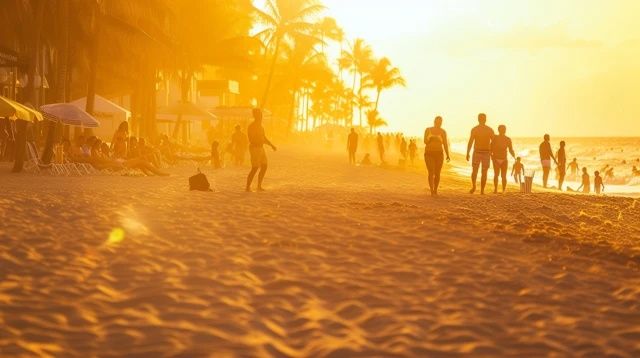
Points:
(535, 66)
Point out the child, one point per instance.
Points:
(586, 183)
(518, 170)
(215, 155)
(597, 182)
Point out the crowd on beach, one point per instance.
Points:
(485, 149)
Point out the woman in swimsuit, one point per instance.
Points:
(435, 140)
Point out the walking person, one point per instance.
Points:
(546, 154)
(413, 150)
(352, 146)
(435, 140)
(480, 140)
(561, 156)
(238, 145)
(257, 140)
(381, 148)
(499, 147)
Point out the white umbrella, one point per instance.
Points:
(69, 114)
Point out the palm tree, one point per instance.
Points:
(383, 76)
(360, 59)
(374, 121)
(284, 18)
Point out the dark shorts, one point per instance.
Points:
(483, 158)
(434, 161)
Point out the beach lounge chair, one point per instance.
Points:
(35, 165)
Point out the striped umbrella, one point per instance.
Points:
(69, 114)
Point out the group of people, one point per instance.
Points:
(485, 148)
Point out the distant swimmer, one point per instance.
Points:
(586, 182)
(608, 175)
(499, 147)
(436, 146)
(561, 156)
(574, 167)
(257, 140)
(352, 146)
(480, 140)
(546, 154)
(380, 141)
(518, 170)
(598, 185)
(635, 172)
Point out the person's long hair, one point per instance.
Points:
(124, 127)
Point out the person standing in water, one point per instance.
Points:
(499, 146)
(352, 146)
(436, 145)
(574, 167)
(257, 140)
(586, 182)
(598, 185)
(546, 154)
(480, 140)
(381, 147)
(561, 156)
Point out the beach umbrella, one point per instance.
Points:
(14, 110)
(69, 114)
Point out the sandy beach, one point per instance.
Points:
(331, 261)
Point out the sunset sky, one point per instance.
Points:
(569, 67)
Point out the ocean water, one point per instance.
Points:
(622, 153)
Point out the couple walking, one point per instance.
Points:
(486, 146)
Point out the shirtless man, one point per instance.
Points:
(480, 140)
(546, 154)
(562, 164)
(499, 146)
(257, 140)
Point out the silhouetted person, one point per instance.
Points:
(586, 182)
(413, 151)
(561, 156)
(598, 185)
(635, 172)
(381, 147)
(352, 146)
(574, 167)
(546, 154)
(608, 175)
(518, 170)
(480, 140)
(499, 147)
(238, 145)
(403, 148)
(436, 145)
(257, 140)
(215, 155)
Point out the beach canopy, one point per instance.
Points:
(14, 110)
(69, 114)
(186, 110)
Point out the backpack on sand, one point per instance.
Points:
(199, 182)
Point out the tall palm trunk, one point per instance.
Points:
(21, 135)
(61, 76)
(272, 68)
(93, 65)
(379, 90)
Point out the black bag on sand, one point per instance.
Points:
(199, 182)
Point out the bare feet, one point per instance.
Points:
(248, 189)
(260, 188)
(473, 190)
